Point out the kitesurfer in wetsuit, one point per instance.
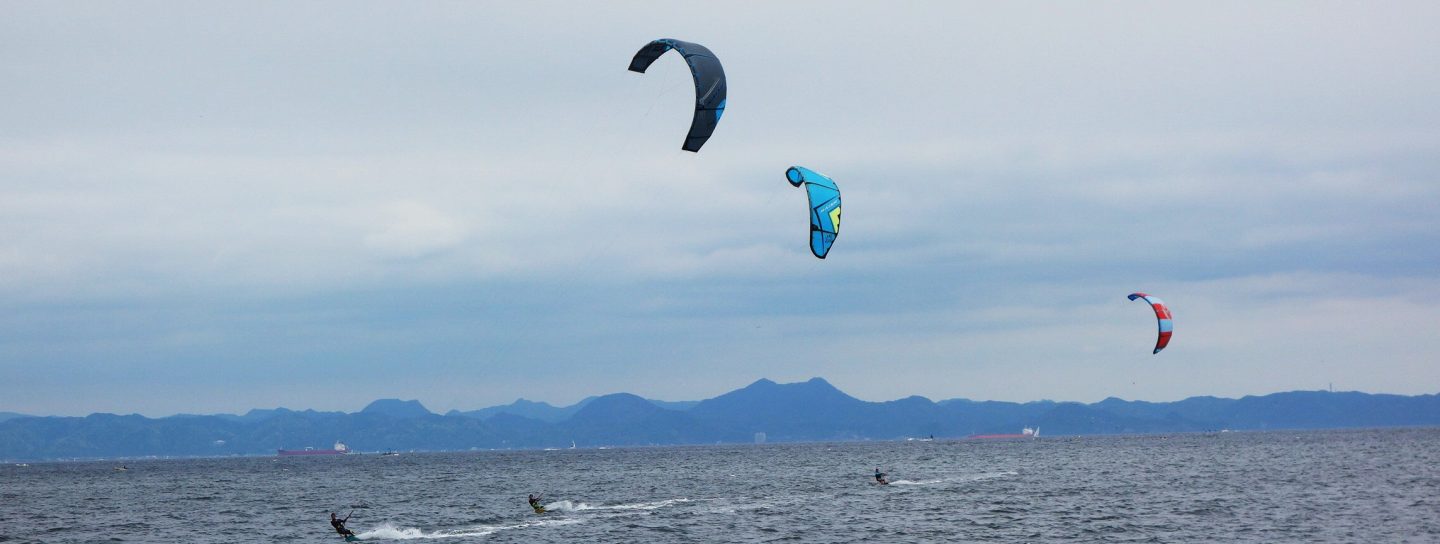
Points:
(535, 503)
(880, 477)
(339, 524)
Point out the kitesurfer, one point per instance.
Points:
(339, 524)
(535, 503)
(880, 477)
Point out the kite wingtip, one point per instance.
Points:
(794, 176)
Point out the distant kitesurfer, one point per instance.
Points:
(880, 477)
(535, 503)
(339, 524)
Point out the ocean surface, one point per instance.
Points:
(1319, 486)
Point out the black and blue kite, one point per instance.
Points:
(709, 84)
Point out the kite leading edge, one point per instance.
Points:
(709, 84)
(1162, 314)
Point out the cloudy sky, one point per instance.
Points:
(210, 207)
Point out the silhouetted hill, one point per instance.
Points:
(625, 419)
(1290, 410)
(811, 410)
(794, 411)
(908, 417)
(615, 408)
(534, 410)
(396, 408)
(1075, 418)
(260, 414)
(677, 405)
(544, 411)
(523, 432)
(7, 416)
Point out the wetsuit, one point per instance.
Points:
(535, 504)
(880, 477)
(339, 525)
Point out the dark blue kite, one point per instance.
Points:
(709, 84)
(824, 207)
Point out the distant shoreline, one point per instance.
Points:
(10, 463)
(764, 411)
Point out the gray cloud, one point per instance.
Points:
(469, 203)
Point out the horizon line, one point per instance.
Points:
(752, 383)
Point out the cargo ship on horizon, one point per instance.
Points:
(339, 449)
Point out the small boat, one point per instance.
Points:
(389, 453)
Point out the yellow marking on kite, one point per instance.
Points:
(835, 218)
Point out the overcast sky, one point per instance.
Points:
(211, 207)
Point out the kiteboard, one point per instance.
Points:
(539, 509)
(352, 538)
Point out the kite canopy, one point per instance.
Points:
(824, 207)
(1162, 314)
(709, 84)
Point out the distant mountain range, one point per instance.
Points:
(6, 416)
(808, 411)
(545, 412)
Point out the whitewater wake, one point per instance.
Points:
(915, 482)
(388, 531)
(574, 506)
(993, 475)
(974, 478)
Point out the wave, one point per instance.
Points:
(388, 531)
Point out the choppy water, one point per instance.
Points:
(1340, 486)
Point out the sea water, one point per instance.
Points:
(1318, 486)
